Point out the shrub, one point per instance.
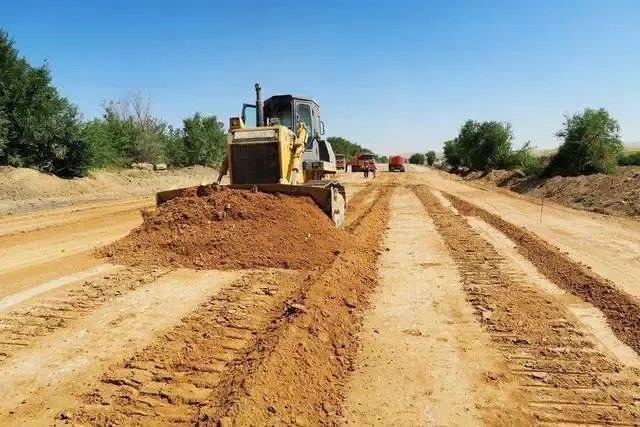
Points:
(452, 153)
(591, 144)
(431, 158)
(417, 159)
(632, 159)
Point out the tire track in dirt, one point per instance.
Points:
(262, 352)
(621, 310)
(565, 377)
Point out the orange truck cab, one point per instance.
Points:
(358, 162)
(341, 163)
(396, 163)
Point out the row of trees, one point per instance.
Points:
(590, 144)
(342, 145)
(43, 130)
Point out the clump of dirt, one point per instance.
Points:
(230, 229)
(606, 194)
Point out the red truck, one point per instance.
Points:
(396, 163)
(341, 163)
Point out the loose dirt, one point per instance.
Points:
(424, 359)
(621, 310)
(564, 376)
(229, 229)
(24, 190)
(263, 352)
(37, 377)
(608, 194)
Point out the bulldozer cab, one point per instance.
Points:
(289, 111)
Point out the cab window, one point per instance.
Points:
(303, 111)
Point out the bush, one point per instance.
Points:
(632, 159)
(417, 159)
(342, 145)
(38, 127)
(431, 158)
(591, 144)
(485, 145)
(205, 142)
(452, 153)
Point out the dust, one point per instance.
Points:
(230, 229)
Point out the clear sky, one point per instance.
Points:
(396, 76)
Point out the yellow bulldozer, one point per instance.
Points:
(284, 153)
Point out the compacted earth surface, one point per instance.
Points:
(437, 302)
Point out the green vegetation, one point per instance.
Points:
(632, 159)
(342, 145)
(417, 159)
(591, 144)
(488, 145)
(40, 129)
(431, 157)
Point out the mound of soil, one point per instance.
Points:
(230, 229)
(607, 194)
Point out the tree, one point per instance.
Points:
(431, 157)
(205, 140)
(38, 127)
(452, 153)
(591, 144)
(417, 159)
(484, 145)
(342, 145)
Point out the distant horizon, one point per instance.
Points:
(409, 87)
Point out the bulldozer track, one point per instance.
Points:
(22, 327)
(621, 310)
(562, 374)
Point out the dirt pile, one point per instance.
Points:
(230, 229)
(607, 194)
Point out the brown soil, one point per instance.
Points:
(608, 194)
(274, 348)
(563, 375)
(621, 310)
(25, 190)
(229, 229)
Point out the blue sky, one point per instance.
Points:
(394, 76)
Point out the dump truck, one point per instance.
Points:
(359, 161)
(283, 153)
(396, 163)
(341, 162)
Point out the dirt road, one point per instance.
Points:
(438, 307)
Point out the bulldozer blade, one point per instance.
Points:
(329, 196)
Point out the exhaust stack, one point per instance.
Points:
(259, 106)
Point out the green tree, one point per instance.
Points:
(484, 145)
(342, 145)
(591, 144)
(38, 127)
(452, 153)
(431, 157)
(204, 140)
(417, 159)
